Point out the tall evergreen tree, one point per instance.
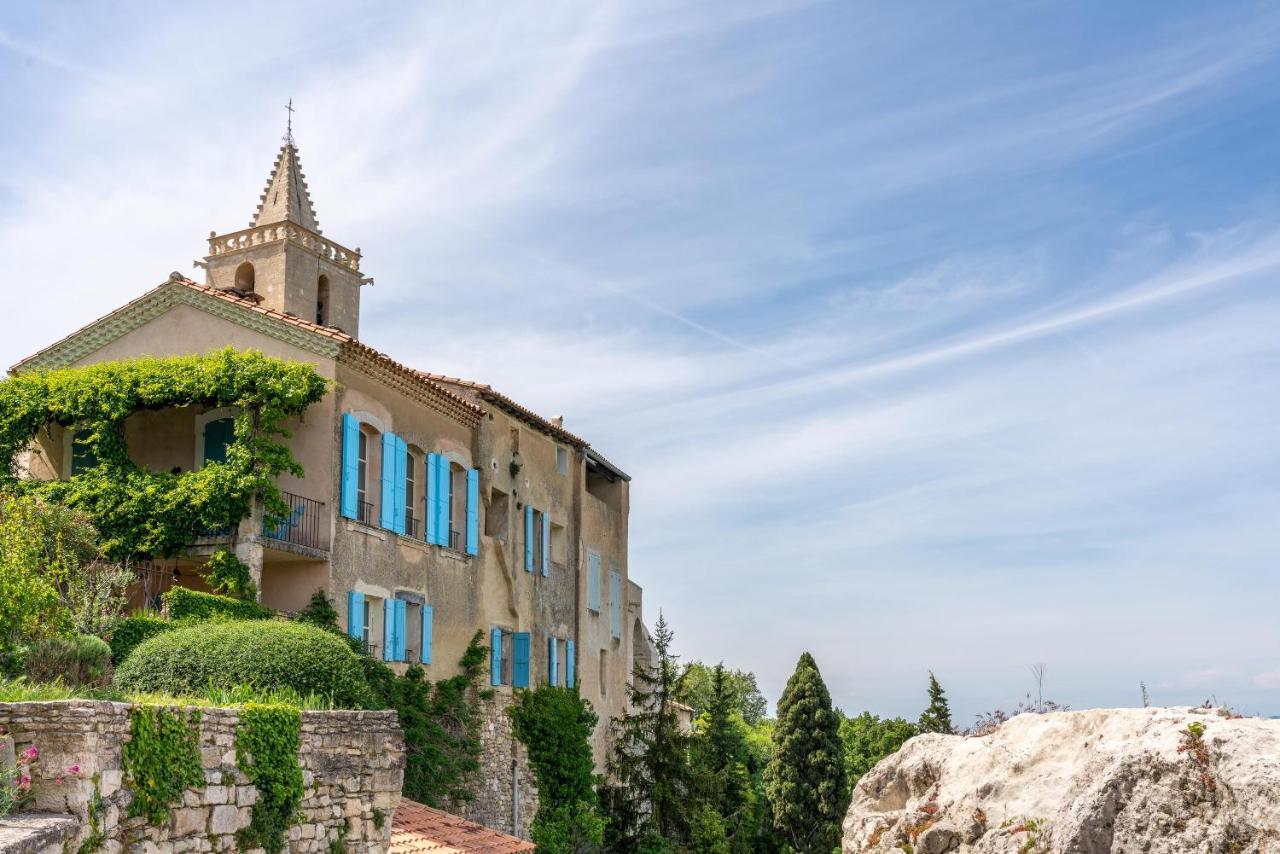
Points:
(648, 791)
(720, 757)
(805, 780)
(936, 718)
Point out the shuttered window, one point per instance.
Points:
(593, 582)
(615, 603)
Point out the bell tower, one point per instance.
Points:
(283, 261)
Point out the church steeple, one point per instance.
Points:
(286, 198)
(282, 261)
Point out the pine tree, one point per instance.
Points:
(647, 796)
(720, 758)
(936, 718)
(805, 780)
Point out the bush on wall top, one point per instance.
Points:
(182, 603)
(265, 654)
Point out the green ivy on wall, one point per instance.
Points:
(161, 759)
(139, 512)
(268, 738)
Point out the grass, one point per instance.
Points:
(20, 690)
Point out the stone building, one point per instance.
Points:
(431, 507)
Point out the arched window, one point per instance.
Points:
(218, 436)
(82, 456)
(244, 277)
(322, 301)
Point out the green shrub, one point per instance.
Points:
(265, 654)
(76, 660)
(230, 576)
(181, 603)
(319, 612)
(132, 631)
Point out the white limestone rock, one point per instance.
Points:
(1107, 780)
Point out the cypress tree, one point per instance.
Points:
(805, 780)
(936, 718)
(648, 796)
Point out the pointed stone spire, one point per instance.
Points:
(286, 197)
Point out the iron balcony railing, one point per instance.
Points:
(305, 525)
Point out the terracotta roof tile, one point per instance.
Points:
(491, 394)
(416, 828)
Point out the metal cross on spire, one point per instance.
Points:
(288, 131)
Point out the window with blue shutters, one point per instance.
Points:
(520, 659)
(218, 436)
(593, 582)
(428, 629)
(568, 664)
(615, 603)
(350, 465)
(400, 495)
(495, 656)
(473, 511)
(553, 671)
(355, 615)
(433, 499)
(528, 538)
(388, 630)
(388, 508)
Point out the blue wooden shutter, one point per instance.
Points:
(615, 603)
(355, 614)
(388, 509)
(388, 631)
(428, 627)
(473, 511)
(444, 474)
(350, 463)
(546, 541)
(528, 538)
(593, 582)
(402, 624)
(218, 436)
(401, 493)
(520, 660)
(551, 661)
(568, 664)
(495, 656)
(432, 488)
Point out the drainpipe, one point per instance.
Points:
(515, 799)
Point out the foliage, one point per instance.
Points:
(97, 595)
(937, 717)
(77, 660)
(15, 779)
(319, 612)
(868, 738)
(228, 575)
(707, 832)
(131, 631)
(136, 511)
(695, 690)
(720, 759)
(441, 724)
(268, 738)
(805, 780)
(265, 654)
(650, 780)
(569, 829)
(161, 759)
(29, 576)
(96, 836)
(556, 725)
(182, 603)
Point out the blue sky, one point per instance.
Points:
(935, 336)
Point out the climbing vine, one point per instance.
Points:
(139, 512)
(268, 738)
(161, 759)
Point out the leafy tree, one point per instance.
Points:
(31, 570)
(695, 687)
(936, 718)
(556, 725)
(867, 739)
(720, 755)
(229, 575)
(650, 781)
(805, 780)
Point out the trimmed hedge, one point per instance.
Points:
(77, 660)
(181, 603)
(131, 631)
(265, 655)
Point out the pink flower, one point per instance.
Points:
(24, 782)
(31, 753)
(73, 770)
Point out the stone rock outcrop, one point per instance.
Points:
(1162, 781)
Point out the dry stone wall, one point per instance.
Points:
(504, 778)
(352, 765)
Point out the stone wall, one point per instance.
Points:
(352, 764)
(495, 785)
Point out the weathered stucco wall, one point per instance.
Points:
(352, 763)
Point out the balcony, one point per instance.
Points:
(306, 525)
